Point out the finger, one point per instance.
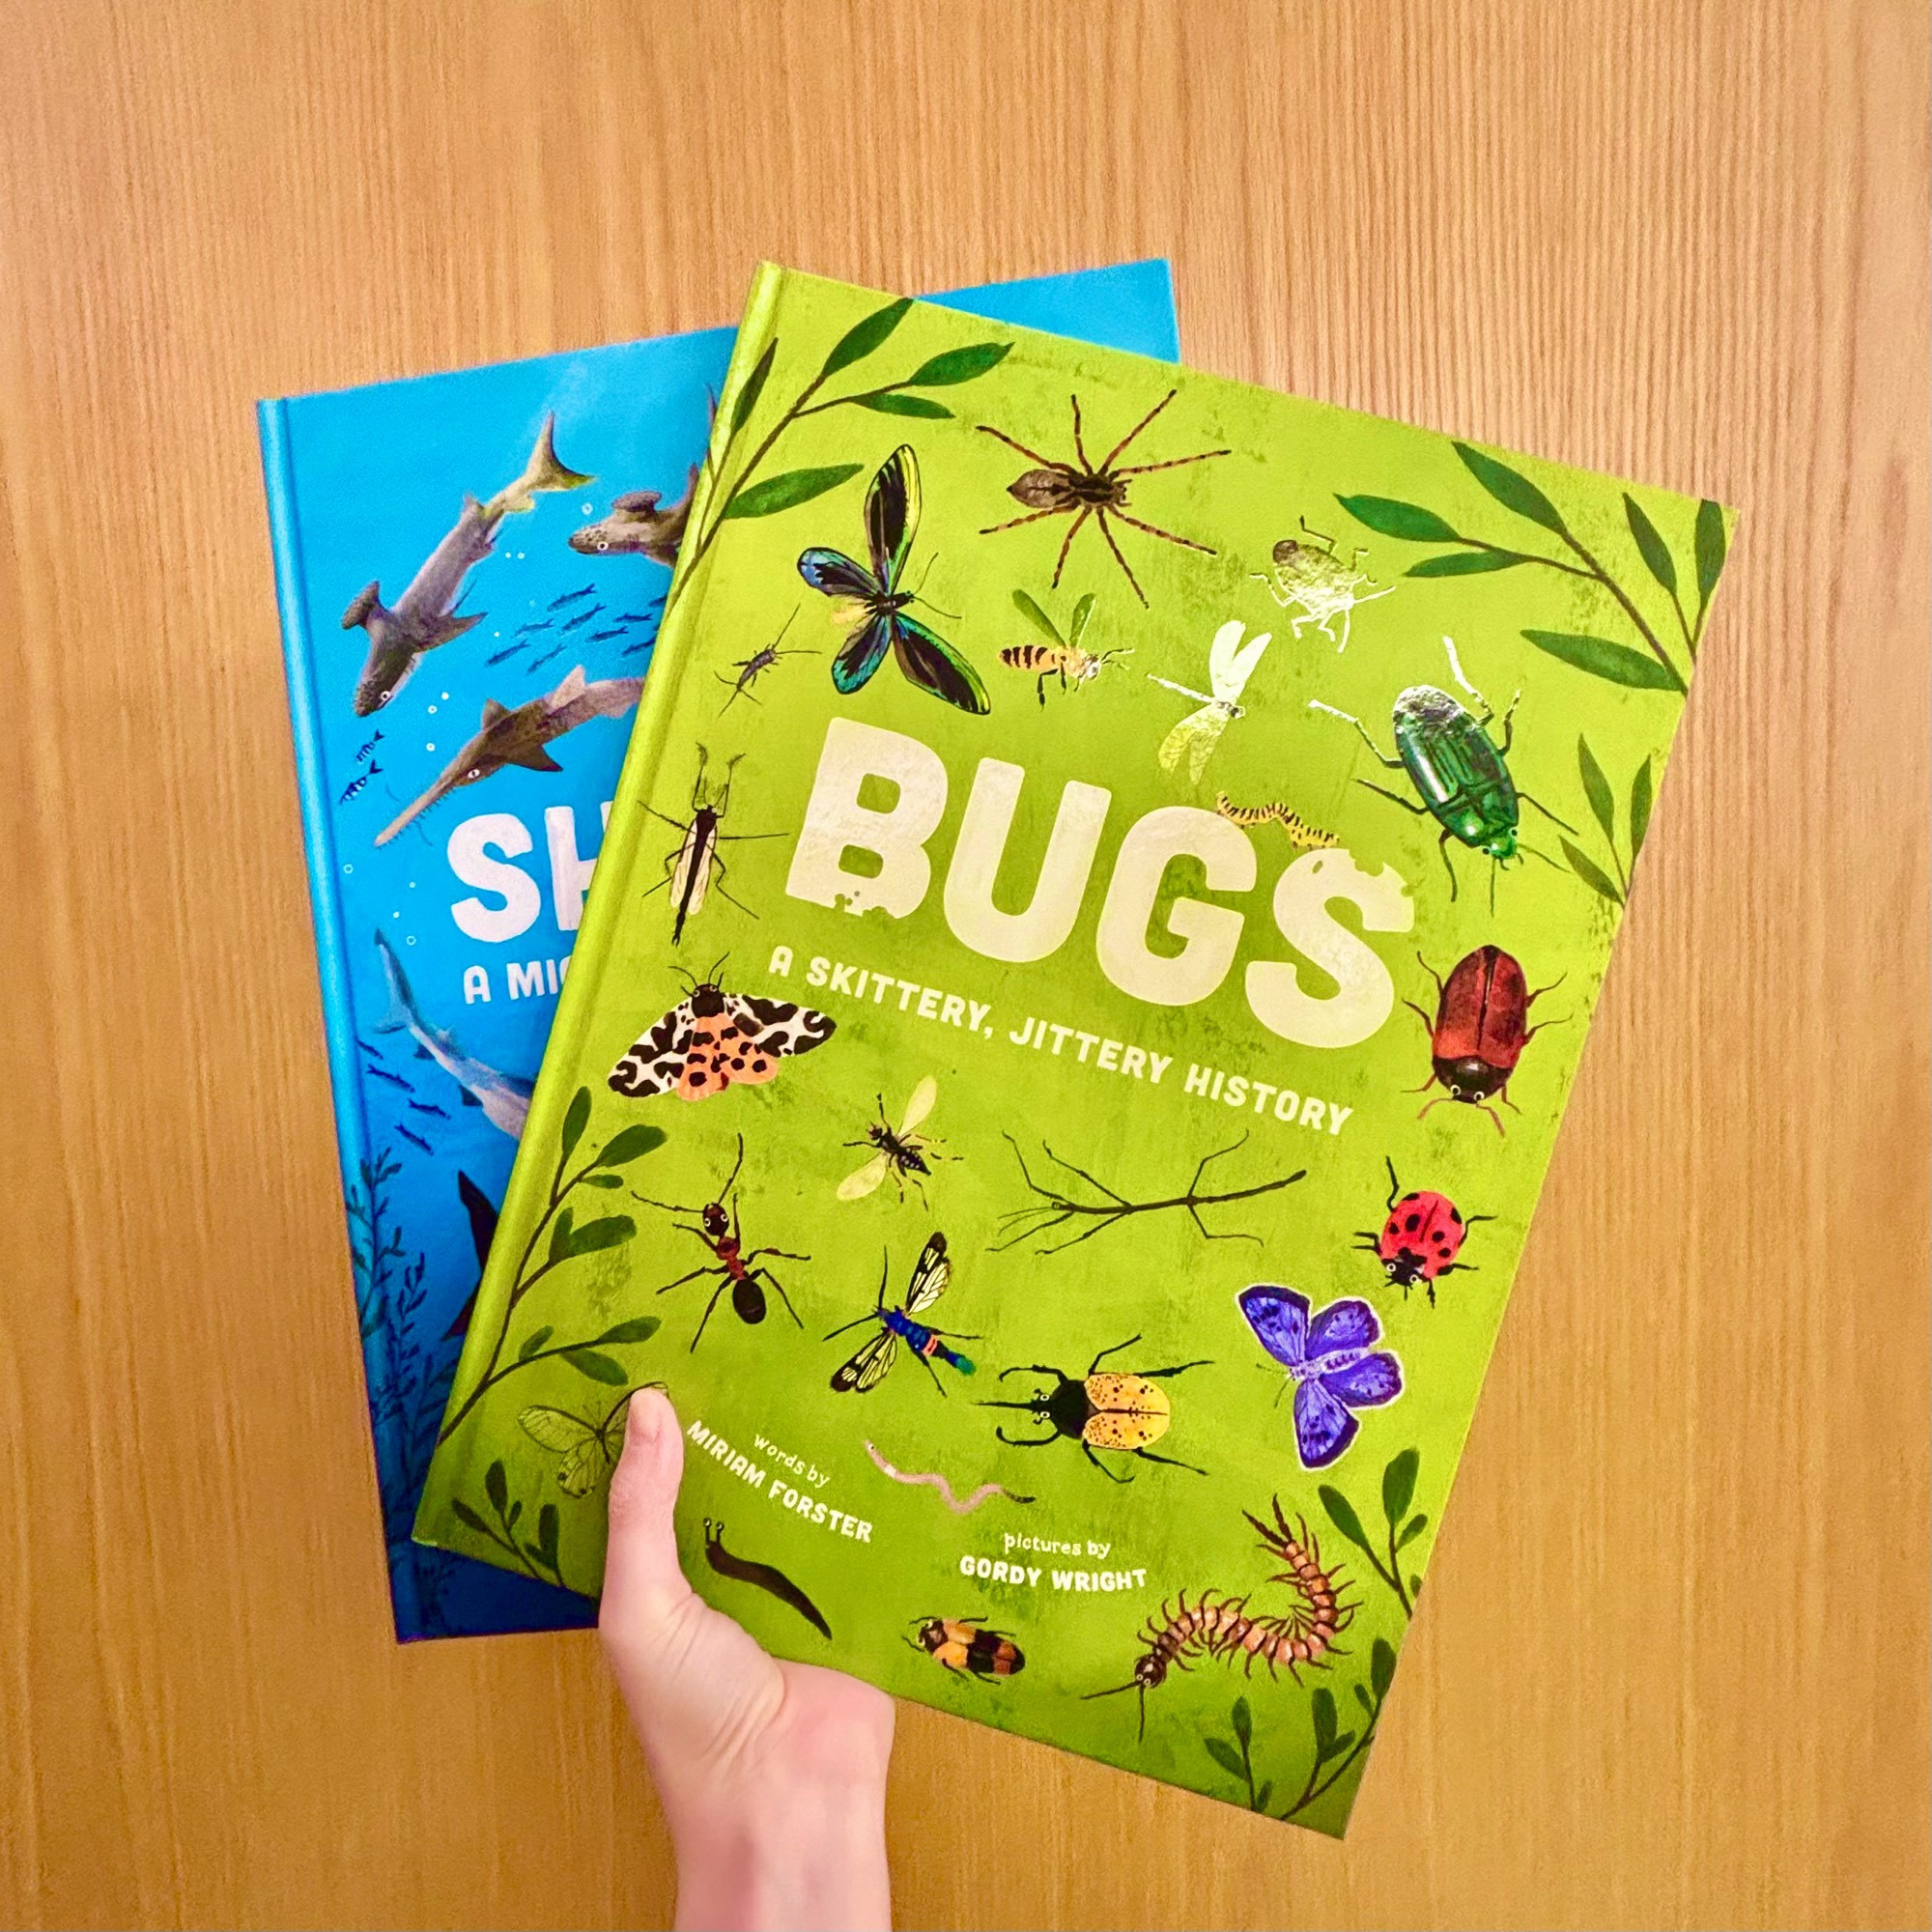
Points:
(641, 1575)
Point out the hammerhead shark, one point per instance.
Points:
(423, 616)
(505, 1099)
(637, 527)
(517, 737)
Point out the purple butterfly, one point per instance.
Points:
(1331, 1360)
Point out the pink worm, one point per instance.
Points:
(945, 1489)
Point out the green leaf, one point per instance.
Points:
(599, 1368)
(1601, 658)
(864, 337)
(787, 491)
(497, 1487)
(1596, 789)
(888, 403)
(640, 1328)
(516, 1510)
(547, 1524)
(576, 1120)
(1415, 1591)
(1036, 616)
(1711, 546)
(621, 1149)
(958, 365)
(468, 1517)
(1083, 614)
(1513, 490)
(1244, 1720)
(560, 1236)
(1651, 547)
(1399, 1484)
(1263, 1796)
(1467, 562)
(1408, 522)
(1227, 1758)
(1362, 1698)
(610, 1231)
(1342, 1514)
(1321, 1708)
(755, 387)
(1410, 1530)
(1381, 1666)
(535, 1342)
(1341, 1744)
(1590, 872)
(601, 1180)
(1640, 804)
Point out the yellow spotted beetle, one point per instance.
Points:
(1112, 1411)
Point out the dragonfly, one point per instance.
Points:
(1229, 665)
(868, 1369)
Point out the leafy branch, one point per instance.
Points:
(567, 1241)
(1615, 885)
(1337, 1747)
(1398, 1493)
(1058, 1207)
(792, 487)
(538, 1559)
(1652, 669)
(1237, 1758)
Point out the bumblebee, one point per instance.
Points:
(964, 1647)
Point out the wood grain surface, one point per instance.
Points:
(1671, 1667)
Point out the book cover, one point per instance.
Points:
(472, 569)
(1058, 1092)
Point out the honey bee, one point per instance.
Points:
(963, 1647)
(1061, 657)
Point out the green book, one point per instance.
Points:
(1098, 920)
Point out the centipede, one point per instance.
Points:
(1216, 1625)
(1297, 828)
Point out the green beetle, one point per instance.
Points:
(1460, 773)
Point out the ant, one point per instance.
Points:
(716, 1227)
(1080, 490)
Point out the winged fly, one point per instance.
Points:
(737, 1268)
(1312, 578)
(1229, 665)
(903, 1151)
(868, 1369)
(696, 863)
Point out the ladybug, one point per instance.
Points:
(1106, 1409)
(1421, 1239)
(1480, 1029)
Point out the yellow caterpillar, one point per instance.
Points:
(1293, 823)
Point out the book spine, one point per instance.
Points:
(604, 910)
(352, 1132)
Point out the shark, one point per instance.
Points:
(637, 527)
(504, 1098)
(519, 737)
(424, 615)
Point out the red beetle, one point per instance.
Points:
(1480, 1029)
(1421, 1239)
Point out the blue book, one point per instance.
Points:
(470, 569)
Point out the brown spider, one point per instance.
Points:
(1061, 489)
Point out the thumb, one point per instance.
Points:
(643, 1579)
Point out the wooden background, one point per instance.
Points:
(1671, 1668)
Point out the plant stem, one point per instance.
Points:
(1392, 1575)
(1525, 557)
(508, 1541)
(1630, 610)
(558, 1190)
(1311, 1791)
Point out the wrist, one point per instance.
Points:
(804, 1854)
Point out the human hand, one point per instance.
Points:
(772, 1775)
